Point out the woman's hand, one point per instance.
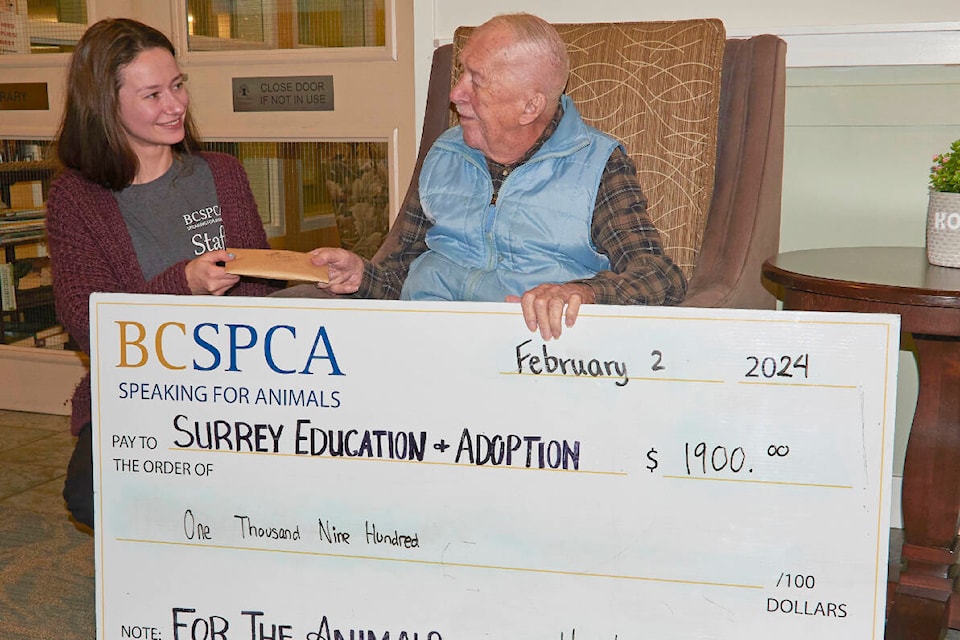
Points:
(206, 277)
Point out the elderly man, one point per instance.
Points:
(522, 202)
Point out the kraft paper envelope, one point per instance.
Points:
(275, 264)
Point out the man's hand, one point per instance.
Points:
(344, 268)
(543, 306)
(206, 277)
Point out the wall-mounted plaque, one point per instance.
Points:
(24, 96)
(290, 93)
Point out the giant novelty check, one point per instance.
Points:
(327, 470)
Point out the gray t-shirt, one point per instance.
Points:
(176, 217)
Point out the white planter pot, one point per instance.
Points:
(943, 229)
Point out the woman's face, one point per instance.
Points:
(153, 101)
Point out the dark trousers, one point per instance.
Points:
(78, 487)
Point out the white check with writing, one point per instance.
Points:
(326, 470)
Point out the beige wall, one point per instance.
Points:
(735, 13)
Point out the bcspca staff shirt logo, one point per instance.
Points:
(205, 218)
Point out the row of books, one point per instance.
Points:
(22, 275)
(21, 225)
(34, 326)
(50, 338)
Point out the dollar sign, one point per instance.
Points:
(653, 461)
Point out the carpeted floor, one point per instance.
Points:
(46, 560)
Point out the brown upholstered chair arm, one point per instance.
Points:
(743, 225)
(436, 120)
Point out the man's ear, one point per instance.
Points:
(533, 109)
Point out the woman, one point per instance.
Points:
(138, 208)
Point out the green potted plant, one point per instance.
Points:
(943, 211)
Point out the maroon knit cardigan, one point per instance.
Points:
(91, 251)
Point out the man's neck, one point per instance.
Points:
(530, 138)
(499, 171)
(545, 133)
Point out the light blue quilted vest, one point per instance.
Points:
(538, 231)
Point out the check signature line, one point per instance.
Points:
(461, 565)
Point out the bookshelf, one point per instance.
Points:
(27, 315)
